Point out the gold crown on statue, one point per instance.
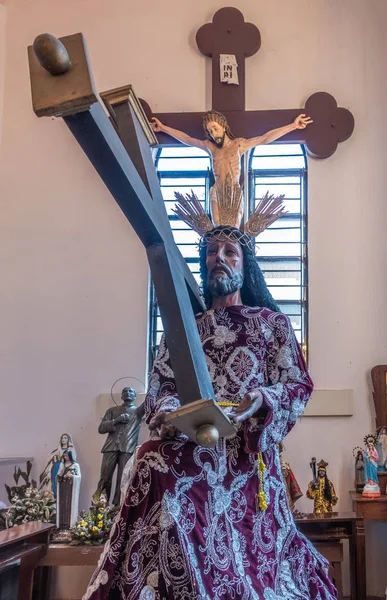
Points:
(322, 465)
(372, 437)
(229, 196)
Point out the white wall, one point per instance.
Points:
(74, 276)
(2, 60)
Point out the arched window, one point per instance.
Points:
(281, 249)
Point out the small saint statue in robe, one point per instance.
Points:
(321, 489)
(381, 446)
(68, 483)
(293, 490)
(359, 470)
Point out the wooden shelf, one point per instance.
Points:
(14, 460)
(371, 509)
(359, 498)
(25, 545)
(22, 533)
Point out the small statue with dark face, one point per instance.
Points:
(321, 489)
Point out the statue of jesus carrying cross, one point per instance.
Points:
(226, 150)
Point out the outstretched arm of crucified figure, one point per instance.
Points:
(182, 137)
(300, 122)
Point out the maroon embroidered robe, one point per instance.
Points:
(189, 528)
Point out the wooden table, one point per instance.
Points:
(339, 526)
(370, 509)
(59, 555)
(63, 555)
(21, 548)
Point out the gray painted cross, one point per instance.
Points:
(119, 150)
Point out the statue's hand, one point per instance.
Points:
(248, 406)
(156, 125)
(121, 419)
(166, 430)
(302, 121)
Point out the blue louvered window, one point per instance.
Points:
(281, 250)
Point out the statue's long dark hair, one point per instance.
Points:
(254, 291)
(327, 489)
(70, 455)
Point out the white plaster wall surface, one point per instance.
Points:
(2, 60)
(74, 276)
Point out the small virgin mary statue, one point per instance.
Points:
(65, 443)
(371, 458)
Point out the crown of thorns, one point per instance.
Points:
(370, 436)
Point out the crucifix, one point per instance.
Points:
(118, 147)
(229, 34)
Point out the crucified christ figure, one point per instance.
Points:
(226, 150)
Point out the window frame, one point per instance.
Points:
(301, 172)
(250, 204)
(198, 174)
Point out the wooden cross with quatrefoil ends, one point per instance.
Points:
(229, 34)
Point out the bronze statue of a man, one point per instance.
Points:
(225, 150)
(122, 424)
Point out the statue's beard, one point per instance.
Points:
(224, 284)
(219, 141)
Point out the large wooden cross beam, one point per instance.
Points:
(118, 148)
(230, 34)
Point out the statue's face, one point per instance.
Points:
(216, 132)
(224, 260)
(128, 395)
(321, 473)
(64, 440)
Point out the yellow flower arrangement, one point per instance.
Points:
(94, 526)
